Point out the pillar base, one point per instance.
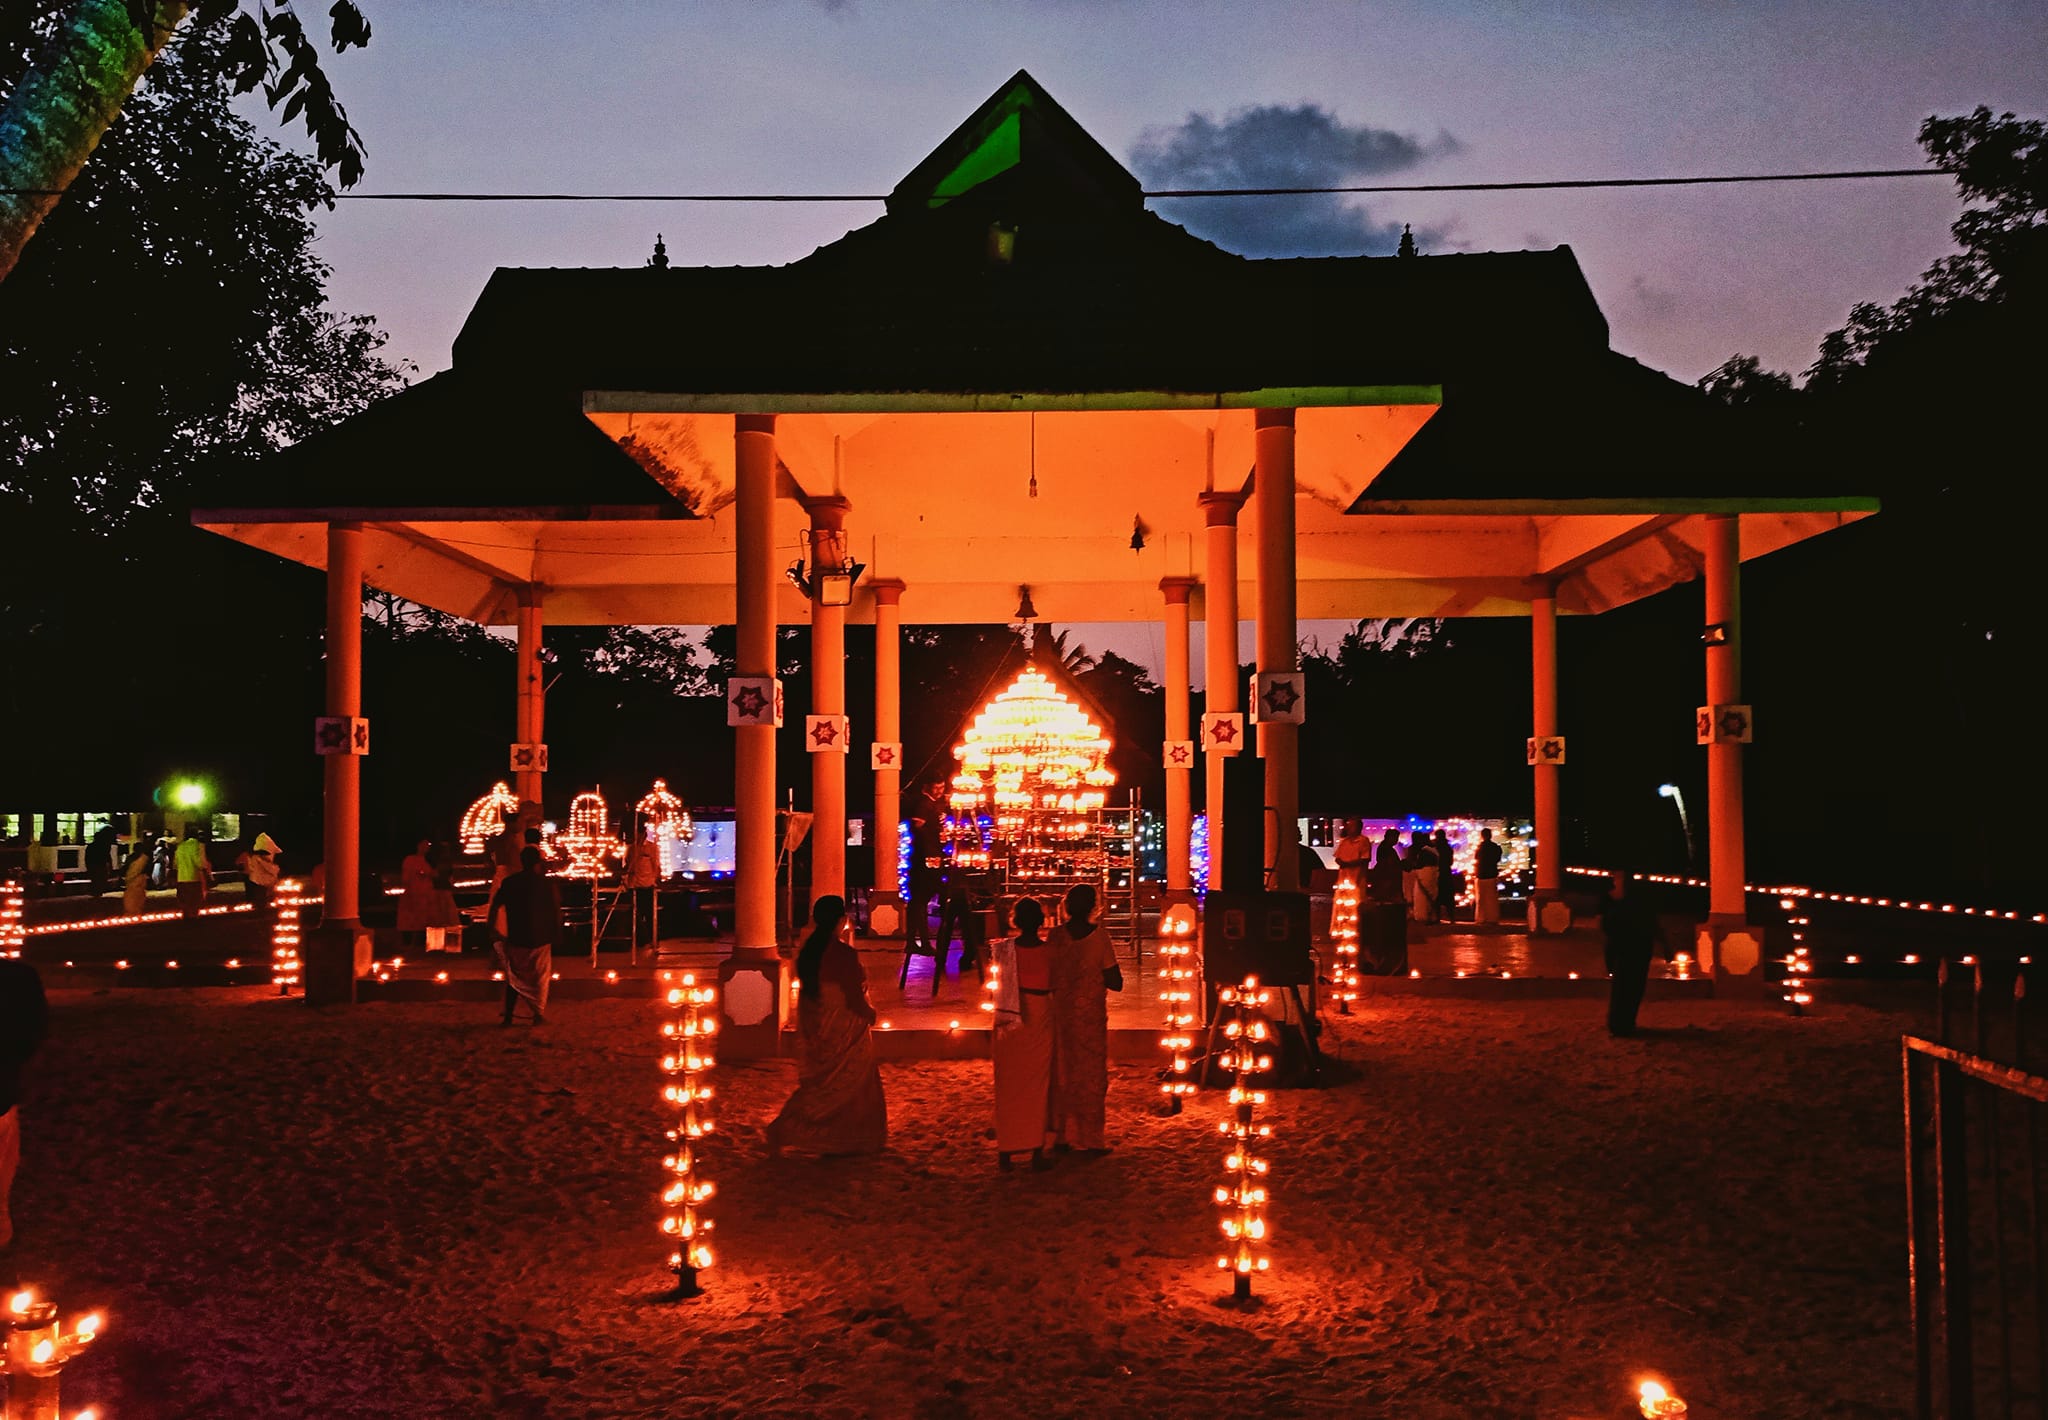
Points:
(753, 998)
(1549, 914)
(885, 913)
(1731, 950)
(336, 956)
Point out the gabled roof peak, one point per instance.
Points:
(1020, 126)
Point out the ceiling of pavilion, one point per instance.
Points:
(1012, 375)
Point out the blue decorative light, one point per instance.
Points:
(903, 859)
(1198, 852)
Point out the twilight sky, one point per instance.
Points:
(847, 95)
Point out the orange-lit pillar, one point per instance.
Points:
(1179, 776)
(1219, 655)
(342, 781)
(754, 747)
(1548, 911)
(828, 697)
(1727, 911)
(532, 691)
(1279, 742)
(888, 730)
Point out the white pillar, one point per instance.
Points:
(754, 770)
(1179, 813)
(342, 816)
(888, 728)
(1726, 905)
(532, 689)
(1279, 743)
(1219, 655)
(828, 697)
(1547, 912)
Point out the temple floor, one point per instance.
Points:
(1492, 1209)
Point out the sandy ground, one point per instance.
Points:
(403, 1210)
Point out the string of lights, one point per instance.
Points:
(1814, 894)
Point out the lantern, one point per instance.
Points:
(486, 817)
(689, 1040)
(1242, 1195)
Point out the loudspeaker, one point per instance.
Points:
(1244, 823)
(1262, 934)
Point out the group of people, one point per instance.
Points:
(1422, 878)
(1051, 1039)
(426, 899)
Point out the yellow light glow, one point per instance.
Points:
(695, 1023)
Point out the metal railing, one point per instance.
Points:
(1973, 1124)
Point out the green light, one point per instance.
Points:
(190, 794)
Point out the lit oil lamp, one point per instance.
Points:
(1657, 1403)
(38, 1349)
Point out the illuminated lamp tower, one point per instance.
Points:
(1242, 1197)
(663, 812)
(284, 937)
(486, 817)
(1344, 938)
(1177, 995)
(689, 1050)
(1036, 768)
(13, 925)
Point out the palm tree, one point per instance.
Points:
(96, 53)
(1070, 656)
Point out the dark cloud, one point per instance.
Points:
(1656, 303)
(1270, 145)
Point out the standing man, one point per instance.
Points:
(1486, 878)
(262, 872)
(643, 874)
(195, 874)
(24, 1018)
(526, 923)
(1630, 923)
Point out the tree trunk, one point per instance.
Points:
(64, 103)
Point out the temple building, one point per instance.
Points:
(971, 403)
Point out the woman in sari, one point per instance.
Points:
(838, 1106)
(1084, 970)
(1023, 1040)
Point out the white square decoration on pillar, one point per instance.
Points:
(825, 734)
(1546, 749)
(1279, 697)
(1180, 754)
(885, 755)
(1222, 731)
(341, 734)
(753, 700)
(529, 758)
(1724, 724)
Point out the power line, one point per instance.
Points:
(1547, 185)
